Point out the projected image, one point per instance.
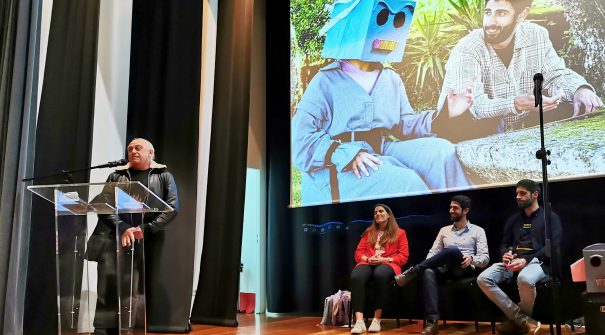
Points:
(395, 98)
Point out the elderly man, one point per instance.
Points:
(141, 167)
(500, 62)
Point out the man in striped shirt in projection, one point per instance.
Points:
(500, 61)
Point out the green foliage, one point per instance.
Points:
(594, 125)
(428, 50)
(437, 27)
(307, 17)
(467, 13)
(296, 179)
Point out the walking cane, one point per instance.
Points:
(131, 284)
(73, 283)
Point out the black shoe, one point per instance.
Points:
(406, 277)
(509, 328)
(432, 328)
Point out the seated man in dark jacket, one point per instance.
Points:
(101, 247)
(524, 255)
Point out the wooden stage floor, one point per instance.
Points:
(299, 325)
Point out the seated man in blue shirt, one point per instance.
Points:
(458, 250)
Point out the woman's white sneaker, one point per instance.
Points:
(375, 326)
(360, 327)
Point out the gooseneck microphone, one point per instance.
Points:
(538, 79)
(119, 162)
(67, 174)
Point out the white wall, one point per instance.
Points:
(110, 116)
(209, 24)
(256, 162)
(250, 258)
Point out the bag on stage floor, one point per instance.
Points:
(336, 309)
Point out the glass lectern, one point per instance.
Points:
(77, 254)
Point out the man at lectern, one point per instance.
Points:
(101, 248)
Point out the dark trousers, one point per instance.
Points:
(108, 294)
(443, 265)
(379, 275)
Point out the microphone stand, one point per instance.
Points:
(68, 174)
(543, 154)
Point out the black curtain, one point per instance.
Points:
(8, 32)
(280, 231)
(63, 141)
(16, 59)
(216, 297)
(163, 107)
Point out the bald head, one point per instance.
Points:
(140, 154)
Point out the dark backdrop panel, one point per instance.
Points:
(310, 249)
(164, 108)
(63, 142)
(218, 286)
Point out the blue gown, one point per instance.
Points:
(333, 104)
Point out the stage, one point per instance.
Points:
(298, 325)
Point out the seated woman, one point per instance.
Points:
(380, 254)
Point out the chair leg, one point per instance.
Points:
(477, 326)
(350, 313)
(493, 327)
(398, 324)
(552, 330)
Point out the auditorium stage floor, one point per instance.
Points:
(290, 325)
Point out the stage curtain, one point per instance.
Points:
(18, 36)
(163, 107)
(63, 142)
(217, 292)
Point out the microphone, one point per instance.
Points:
(116, 163)
(538, 79)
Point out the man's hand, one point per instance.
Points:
(466, 261)
(130, 234)
(507, 257)
(458, 103)
(585, 97)
(516, 264)
(358, 165)
(527, 102)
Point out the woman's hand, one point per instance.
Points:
(358, 165)
(377, 260)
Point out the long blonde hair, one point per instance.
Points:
(391, 231)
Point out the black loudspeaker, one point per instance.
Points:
(594, 313)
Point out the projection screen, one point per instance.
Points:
(398, 98)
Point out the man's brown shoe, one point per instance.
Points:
(531, 326)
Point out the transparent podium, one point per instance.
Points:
(119, 279)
